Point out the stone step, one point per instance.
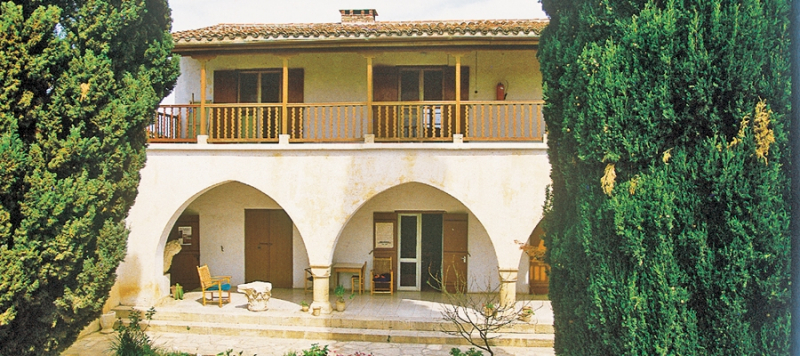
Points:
(409, 318)
(342, 333)
(283, 318)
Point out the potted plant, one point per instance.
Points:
(177, 291)
(525, 314)
(304, 306)
(339, 293)
(489, 309)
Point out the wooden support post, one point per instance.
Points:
(458, 93)
(203, 84)
(285, 99)
(369, 95)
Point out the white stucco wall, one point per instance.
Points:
(327, 190)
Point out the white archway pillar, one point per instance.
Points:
(322, 276)
(508, 287)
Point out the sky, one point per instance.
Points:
(193, 14)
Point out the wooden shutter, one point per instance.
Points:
(384, 84)
(226, 86)
(379, 218)
(296, 89)
(296, 85)
(455, 252)
(384, 88)
(226, 90)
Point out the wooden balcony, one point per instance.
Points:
(350, 122)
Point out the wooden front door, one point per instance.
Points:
(268, 247)
(455, 254)
(184, 264)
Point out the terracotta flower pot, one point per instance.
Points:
(489, 312)
(525, 314)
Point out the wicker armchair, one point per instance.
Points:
(213, 284)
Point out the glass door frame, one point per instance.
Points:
(417, 260)
(431, 115)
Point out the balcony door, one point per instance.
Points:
(421, 84)
(249, 87)
(412, 87)
(260, 87)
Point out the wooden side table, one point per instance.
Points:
(346, 268)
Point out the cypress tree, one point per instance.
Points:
(668, 214)
(79, 82)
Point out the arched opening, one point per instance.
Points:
(538, 271)
(239, 231)
(426, 233)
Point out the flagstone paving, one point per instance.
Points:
(204, 344)
(284, 313)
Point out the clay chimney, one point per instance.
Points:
(358, 16)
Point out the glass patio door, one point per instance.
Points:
(410, 251)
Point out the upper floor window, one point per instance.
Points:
(260, 87)
(257, 86)
(421, 84)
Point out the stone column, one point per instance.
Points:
(508, 287)
(322, 275)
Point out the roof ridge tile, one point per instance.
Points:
(255, 31)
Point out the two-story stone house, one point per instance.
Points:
(299, 146)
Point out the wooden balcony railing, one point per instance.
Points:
(349, 122)
(504, 121)
(335, 122)
(175, 123)
(243, 122)
(414, 121)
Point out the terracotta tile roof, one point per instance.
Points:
(327, 31)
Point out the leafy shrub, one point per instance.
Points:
(471, 352)
(131, 339)
(316, 350)
(80, 82)
(667, 222)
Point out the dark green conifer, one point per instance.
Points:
(79, 82)
(667, 221)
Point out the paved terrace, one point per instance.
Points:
(367, 325)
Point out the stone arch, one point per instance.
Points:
(254, 197)
(388, 187)
(354, 241)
